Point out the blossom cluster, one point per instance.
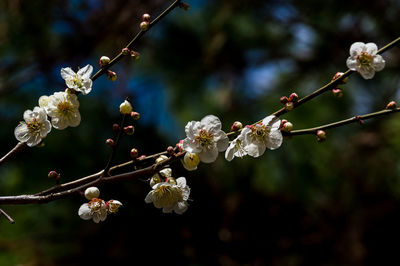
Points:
(97, 209)
(60, 110)
(168, 193)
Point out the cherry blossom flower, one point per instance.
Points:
(170, 196)
(258, 137)
(35, 128)
(96, 209)
(205, 138)
(363, 59)
(62, 107)
(113, 206)
(236, 148)
(79, 81)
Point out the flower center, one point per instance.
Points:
(205, 139)
(95, 205)
(77, 81)
(34, 125)
(260, 131)
(168, 195)
(364, 59)
(64, 108)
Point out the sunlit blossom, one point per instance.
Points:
(365, 60)
(96, 209)
(79, 81)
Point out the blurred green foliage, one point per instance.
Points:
(307, 203)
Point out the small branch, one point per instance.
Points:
(8, 217)
(19, 147)
(354, 119)
(136, 38)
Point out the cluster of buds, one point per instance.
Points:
(97, 209)
(135, 55)
(236, 126)
(289, 102)
(337, 92)
(145, 24)
(286, 126)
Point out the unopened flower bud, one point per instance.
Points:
(284, 99)
(129, 130)
(126, 51)
(166, 172)
(113, 206)
(338, 75)
(184, 6)
(337, 92)
(142, 157)
(190, 161)
(283, 121)
(293, 97)
(135, 55)
(135, 115)
(54, 175)
(134, 153)
(92, 192)
(236, 126)
(111, 75)
(287, 127)
(125, 108)
(146, 17)
(110, 142)
(170, 150)
(289, 106)
(161, 158)
(104, 60)
(144, 25)
(179, 145)
(391, 105)
(321, 135)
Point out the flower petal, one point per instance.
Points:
(275, 139)
(356, 48)
(84, 212)
(367, 72)
(85, 72)
(352, 63)
(211, 123)
(371, 48)
(181, 207)
(208, 156)
(67, 72)
(378, 63)
(255, 149)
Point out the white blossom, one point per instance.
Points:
(236, 148)
(258, 137)
(170, 196)
(205, 138)
(113, 206)
(62, 107)
(35, 128)
(96, 209)
(363, 59)
(79, 81)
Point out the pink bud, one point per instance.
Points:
(391, 105)
(170, 150)
(287, 127)
(321, 136)
(337, 92)
(293, 97)
(184, 6)
(110, 142)
(284, 99)
(129, 130)
(236, 126)
(146, 17)
(135, 115)
(135, 55)
(54, 175)
(104, 60)
(179, 146)
(338, 75)
(126, 51)
(112, 76)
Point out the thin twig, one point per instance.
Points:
(8, 217)
(19, 147)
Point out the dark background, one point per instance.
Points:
(307, 203)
